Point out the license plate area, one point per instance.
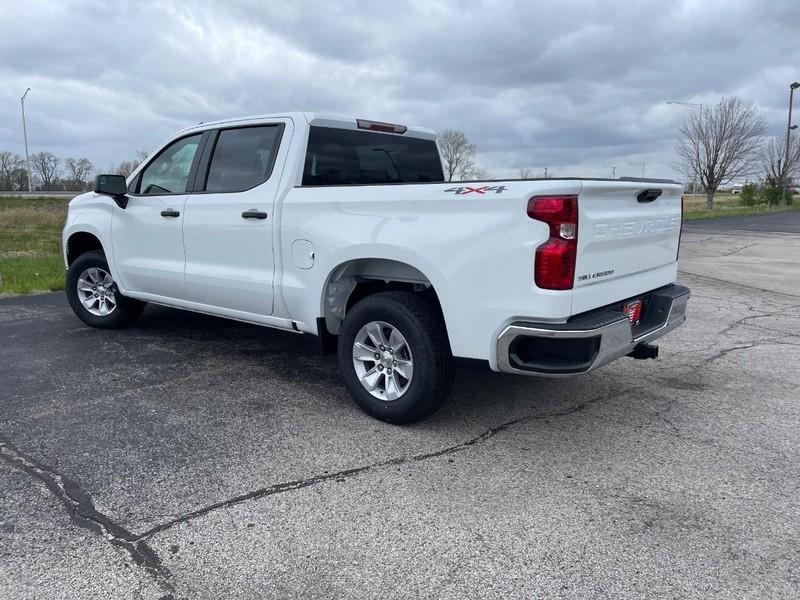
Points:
(633, 310)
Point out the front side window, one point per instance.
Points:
(346, 157)
(169, 172)
(242, 158)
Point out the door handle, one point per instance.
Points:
(170, 213)
(254, 214)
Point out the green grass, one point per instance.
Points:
(726, 205)
(30, 244)
(736, 211)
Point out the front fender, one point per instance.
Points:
(90, 213)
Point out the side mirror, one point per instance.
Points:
(114, 186)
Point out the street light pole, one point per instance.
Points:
(25, 134)
(792, 88)
(699, 107)
(689, 104)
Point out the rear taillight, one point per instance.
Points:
(554, 266)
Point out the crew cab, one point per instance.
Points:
(346, 229)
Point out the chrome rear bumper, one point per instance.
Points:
(588, 341)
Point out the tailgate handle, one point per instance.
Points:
(648, 195)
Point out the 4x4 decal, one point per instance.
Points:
(461, 191)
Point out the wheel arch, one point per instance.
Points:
(357, 278)
(80, 242)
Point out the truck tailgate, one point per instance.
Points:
(628, 236)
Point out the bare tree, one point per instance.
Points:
(469, 171)
(45, 165)
(126, 168)
(719, 143)
(777, 170)
(10, 164)
(456, 151)
(80, 172)
(129, 166)
(525, 173)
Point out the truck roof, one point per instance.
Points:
(312, 118)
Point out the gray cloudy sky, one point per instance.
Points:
(574, 85)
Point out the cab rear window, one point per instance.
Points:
(348, 157)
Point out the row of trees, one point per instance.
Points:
(50, 173)
(727, 141)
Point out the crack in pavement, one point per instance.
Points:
(83, 513)
(297, 484)
(745, 320)
(734, 283)
(736, 251)
(755, 344)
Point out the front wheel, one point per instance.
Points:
(95, 298)
(395, 357)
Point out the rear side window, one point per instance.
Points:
(344, 156)
(242, 158)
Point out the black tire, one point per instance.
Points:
(424, 330)
(126, 310)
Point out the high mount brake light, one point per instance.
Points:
(378, 126)
(554, 265)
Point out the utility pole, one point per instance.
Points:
(784, 198)
(642, 170)
(613, 172)
(25, 134)
(545, 172)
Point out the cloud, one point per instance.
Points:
(576, 86)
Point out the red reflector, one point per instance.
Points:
(554, 265)
(634, 311)
(378, 126)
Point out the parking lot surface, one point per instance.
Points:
(777, 222)
(192, 457)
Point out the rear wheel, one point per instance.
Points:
(395, 357)
(94, 297)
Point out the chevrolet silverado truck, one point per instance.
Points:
(346, 229)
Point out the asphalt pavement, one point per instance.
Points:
(193, 457)
(776, 222)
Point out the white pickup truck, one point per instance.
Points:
(345, 229)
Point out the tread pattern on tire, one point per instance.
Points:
(127, 309)
(440, 368)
